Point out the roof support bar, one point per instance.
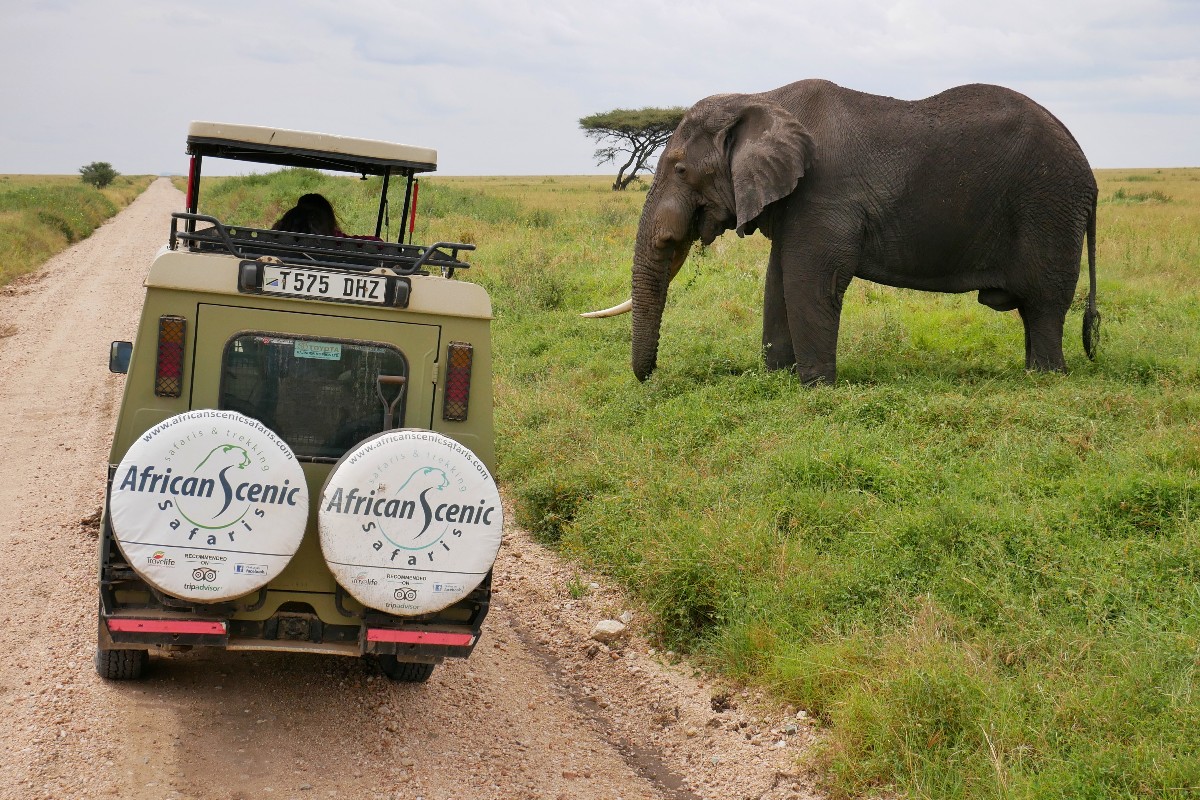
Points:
(382, 203)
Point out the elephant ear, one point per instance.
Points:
(768, 151)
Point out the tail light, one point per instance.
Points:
(168, 374)
(458, 381)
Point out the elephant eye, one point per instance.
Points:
(680, 169)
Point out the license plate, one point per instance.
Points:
(322, 285)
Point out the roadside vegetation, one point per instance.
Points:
(41, 215)
(983, 583)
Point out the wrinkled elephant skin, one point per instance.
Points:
(977, 189)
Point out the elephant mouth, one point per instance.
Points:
(708, 227)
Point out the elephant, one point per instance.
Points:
(976, 189)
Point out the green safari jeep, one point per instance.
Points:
(302, 459)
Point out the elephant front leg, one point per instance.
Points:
(814, 312)
(777, 336)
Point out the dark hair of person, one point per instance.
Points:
(311, 214)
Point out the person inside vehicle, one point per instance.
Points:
(313, 213)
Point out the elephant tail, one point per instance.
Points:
(1091, 317)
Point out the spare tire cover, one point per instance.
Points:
(410, 522)
(209, 505)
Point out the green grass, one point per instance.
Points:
(982, 582)
(1121, 196)
(41, 215)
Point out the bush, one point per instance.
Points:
(546, 507)
(98, 174)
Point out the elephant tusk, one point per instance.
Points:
(615, 311)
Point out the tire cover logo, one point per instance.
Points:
(410, 522)
(204, 495)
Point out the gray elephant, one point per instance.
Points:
(977, 189)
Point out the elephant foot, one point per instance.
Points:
(1060, 367)
(1045, 358)
(778, 356)
(816, 376)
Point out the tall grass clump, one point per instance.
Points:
(1122, 196)
(41, 215)
(980, 582)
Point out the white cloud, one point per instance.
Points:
(497, 86)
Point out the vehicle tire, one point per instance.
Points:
(210, 569)
(405, 671)
(441, 564)
(121, 665)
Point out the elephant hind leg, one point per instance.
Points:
(1043, 338)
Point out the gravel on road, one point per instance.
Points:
(540, 710)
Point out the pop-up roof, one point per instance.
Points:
(306, 149)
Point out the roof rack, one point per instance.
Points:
(312, 150)
(336, 252)
(307, 149)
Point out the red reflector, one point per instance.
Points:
(458, 381)
(193, 186)
(168, 374)
(165, 626)
(419, 637)
(412, 225)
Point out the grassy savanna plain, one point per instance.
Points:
(43, 214)
(982, 582)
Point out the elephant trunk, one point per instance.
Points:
(651, 277)
(664, 237)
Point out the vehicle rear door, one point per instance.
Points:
(311, 377)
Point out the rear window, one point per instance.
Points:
(320, 395)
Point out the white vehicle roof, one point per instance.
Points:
(307, 149)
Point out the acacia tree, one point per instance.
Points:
(633, 134)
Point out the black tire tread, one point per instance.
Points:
(405, 671)
(121, 665)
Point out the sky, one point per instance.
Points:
(497, 86)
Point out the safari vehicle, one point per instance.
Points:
(302, 457)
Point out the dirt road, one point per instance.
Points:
(539, 710)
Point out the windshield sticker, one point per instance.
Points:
(326, 351)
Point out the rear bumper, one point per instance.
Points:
(134, 616)
(300, 634)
